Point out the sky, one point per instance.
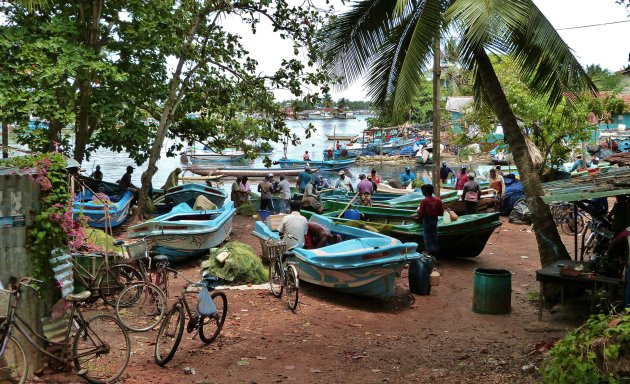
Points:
(608, 46)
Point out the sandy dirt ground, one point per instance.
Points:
(336, 338)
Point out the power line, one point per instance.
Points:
(594, 25)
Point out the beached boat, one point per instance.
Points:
(99, 215)
(364, 263)
(245, 171)
(335, 137)
(110, 188)
(324, 165)
(184, 232)
(205, 155)
(187, 193)
(465, 237)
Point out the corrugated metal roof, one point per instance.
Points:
(611, 181)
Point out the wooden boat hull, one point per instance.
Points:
(96, 213)
(188, 193)
(324, 165)
(340, 137)
(185, 233)
(110, 188)
(244, 171)
(364, 263)
(208, 156)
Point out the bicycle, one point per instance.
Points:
(142, 305)
(564, 215)
(282, 275)
(100, 349)
(208, 326)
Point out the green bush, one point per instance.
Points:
(596, 352)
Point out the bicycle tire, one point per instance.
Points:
(293, 286)
(98, 332)
(171, 331)
(568, 223)
(207, 336)
(275, 278)
(113, 280)
(13, 363)
(141, 306)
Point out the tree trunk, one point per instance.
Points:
(550, 245)
(437, 72)
(82, 135)
(5, 140)
(53, 133)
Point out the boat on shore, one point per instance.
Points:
(184, 233)
(188, 193)
(364, 263)
(246, 171)
(324, 165)
(205, 156)
(100, 215)
(110, 188)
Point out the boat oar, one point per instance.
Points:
(347, 206)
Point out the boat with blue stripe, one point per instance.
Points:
(97, 213)
(323, 165)
(188, 193)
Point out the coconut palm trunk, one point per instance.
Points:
(545, 229)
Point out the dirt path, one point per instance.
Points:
(335, 338)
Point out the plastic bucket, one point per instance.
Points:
(352, 214)
(492, 291)
(420, 275)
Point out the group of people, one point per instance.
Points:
(124, 185)
(241, 189)
(471, 191)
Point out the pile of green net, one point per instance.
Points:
(417, 184)
(243, 266)
(384, 229)
(246, 210)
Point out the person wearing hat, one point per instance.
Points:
(303, 179)
(471, 194)
(365, 190)
(100, 197)
(407, 177)
(462, 178)
(445, 170)
(266, 194)
(285, 195)
(374, 176)
(97, 174)
(344, 183)
(124, 184)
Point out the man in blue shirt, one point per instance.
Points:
(303, 179)
(407, 177)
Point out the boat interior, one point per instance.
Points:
(196, 217)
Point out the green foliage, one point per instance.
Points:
(590, 353)
(47, 232)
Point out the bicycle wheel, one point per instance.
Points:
(275, 278)
(114, 280)
(101, 349)
(569, 221)
(170, 335)
(141, 306)
(293, 286)
(210, 326)
(13, 363)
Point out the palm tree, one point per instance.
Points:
(392, 43)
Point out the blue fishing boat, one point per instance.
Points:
(323, 165)
(364, 263)
(188, 193)
(100, 215)
(184, 232)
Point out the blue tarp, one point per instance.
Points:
(513, 192)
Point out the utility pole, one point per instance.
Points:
(437, 71)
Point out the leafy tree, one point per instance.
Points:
(392, 41)
(327, 100)
(603, 78)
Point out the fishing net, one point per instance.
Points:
(241, 264)
(384, 229)
(246, 210)
(416, 184)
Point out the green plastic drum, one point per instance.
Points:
(492, 291)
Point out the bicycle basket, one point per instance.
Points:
(137, 249)
(276, 249)
(5, 303)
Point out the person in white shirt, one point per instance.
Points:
(344, 183)
(285, 195)
(296, 226)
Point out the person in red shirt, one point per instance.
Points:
(462, 178)
(375, 177)
(429, 210)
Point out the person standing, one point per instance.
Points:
(264, 188)
(243, 194)
(498, 184)
(374, 185)
(285, 195)
(344, 183)
(407, 177)
(338, 145)
(292, 229)
(365, 190)
(430, 209)
(303, 178)
(306, 156)
(375, 177)
(462, 178)
(445, 170)
(236, 188)
(124, 184)
(471, 194)
(97, 174)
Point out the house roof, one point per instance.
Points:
(611, 181)
(458, 103)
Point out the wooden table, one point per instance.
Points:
(551, 275)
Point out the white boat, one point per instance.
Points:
(206, 155)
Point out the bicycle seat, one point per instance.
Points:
(118, 243)
(78, 297)
(160, 259)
